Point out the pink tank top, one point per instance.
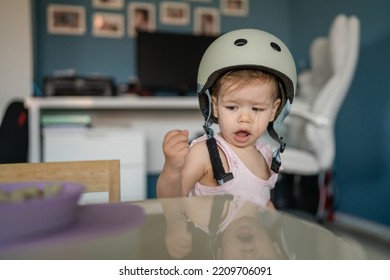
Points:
(245, 185)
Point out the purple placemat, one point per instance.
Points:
(92, 221)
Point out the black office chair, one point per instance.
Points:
(14, 133)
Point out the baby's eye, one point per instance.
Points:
(256, 109)
(231, 107)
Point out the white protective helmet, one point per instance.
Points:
(248, 49)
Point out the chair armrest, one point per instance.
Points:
(299, 110)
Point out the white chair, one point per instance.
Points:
(309, 128)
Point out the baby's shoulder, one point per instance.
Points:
(198, 146)
(201, 139)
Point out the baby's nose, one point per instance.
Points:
(245, 116)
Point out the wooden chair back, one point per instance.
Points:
(96, 175)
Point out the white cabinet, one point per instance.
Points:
(67, 144)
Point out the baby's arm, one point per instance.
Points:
(175, 148)
(183, 166)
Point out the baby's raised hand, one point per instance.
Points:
(176, 148)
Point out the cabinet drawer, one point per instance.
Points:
(96, 144)
(93, 144)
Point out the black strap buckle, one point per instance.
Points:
(282, 145)
(275, 165)
(219, 172)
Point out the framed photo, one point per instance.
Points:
(141, 16)
(108, 25)
(66, 19)
(174, 13)
(108, 4)
(235, 7)
(207, 21)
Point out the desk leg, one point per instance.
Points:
(34, 146)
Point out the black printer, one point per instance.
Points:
(79, 86)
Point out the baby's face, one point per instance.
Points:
(244, 112)
(246, 238)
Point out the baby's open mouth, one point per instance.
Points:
(242, 133)
(242, 136)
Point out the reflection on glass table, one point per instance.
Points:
(217, 227)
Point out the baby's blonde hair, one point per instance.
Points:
(238, 78)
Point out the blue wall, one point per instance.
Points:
(362, 165)
(116, 57)
(363, 127)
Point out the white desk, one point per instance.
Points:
(152, 115)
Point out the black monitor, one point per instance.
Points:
(168, 62)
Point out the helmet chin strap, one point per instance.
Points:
(219, 172)
(276, 160)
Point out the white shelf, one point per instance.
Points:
(153, 116)
(116, 102)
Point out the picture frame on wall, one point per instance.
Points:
(174, 13)
(108, 4)
(66, 19)
(141, 16)
(108, 25)
(238, 8)
(207, 21)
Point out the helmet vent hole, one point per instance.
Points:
(276, 47)
(240, 42)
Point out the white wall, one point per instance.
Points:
(16, 69)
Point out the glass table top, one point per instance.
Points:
(216, 227)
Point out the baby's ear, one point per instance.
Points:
(275, 107)
(214, 111)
